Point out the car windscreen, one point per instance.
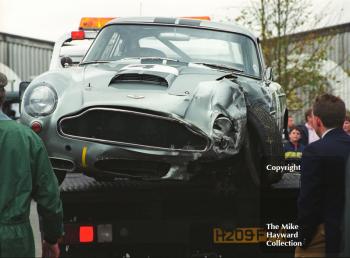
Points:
(197, 45)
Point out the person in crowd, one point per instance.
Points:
(26, 173)
(293, 149)
(322, 190)
(308, 133)
(346, 125)
(290, 123)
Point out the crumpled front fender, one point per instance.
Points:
(216, 99)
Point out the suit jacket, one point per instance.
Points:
(322, 191)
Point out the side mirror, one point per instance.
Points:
(66, 61)
(268, 74)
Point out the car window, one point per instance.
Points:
(112, 50)
(122, 41)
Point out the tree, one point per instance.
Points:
(296, 58)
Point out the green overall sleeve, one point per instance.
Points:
(46, 192)
(25, 173)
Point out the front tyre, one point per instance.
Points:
(263, 146)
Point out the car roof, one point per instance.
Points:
(223, 26)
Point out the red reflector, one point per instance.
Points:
(86, 234)
(36, 127)
(78, 35)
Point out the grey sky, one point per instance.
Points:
(49, 19)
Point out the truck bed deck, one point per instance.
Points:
(82, 183)
(173, 216)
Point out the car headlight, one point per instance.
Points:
(222, 126)
(40, 100)
(223, 133)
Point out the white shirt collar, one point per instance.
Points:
(324, 134)
(309, 126)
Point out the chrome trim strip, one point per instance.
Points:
(177, 120)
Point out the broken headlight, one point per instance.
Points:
(223, 132)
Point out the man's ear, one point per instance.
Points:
(318, 121)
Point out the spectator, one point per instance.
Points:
(3, 80)
(293, 149)
(25, 173)
(322, 192)
(346, 125)
(308, 133)
(290, 124)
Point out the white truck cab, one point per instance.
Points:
(71, 47)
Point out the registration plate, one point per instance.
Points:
(239, 236)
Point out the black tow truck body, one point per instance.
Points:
(170, 219)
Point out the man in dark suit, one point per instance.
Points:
(322, 192)
(346, 237)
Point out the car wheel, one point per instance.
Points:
(60, 175)
(263, 146)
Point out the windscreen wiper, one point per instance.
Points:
(95, 62)
(222, 67)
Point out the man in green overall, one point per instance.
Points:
(26, 174)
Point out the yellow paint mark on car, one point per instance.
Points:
(83, 157)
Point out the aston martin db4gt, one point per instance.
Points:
(161, 98)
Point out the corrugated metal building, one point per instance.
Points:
(337, 64)
(23, 58)
(339, 45)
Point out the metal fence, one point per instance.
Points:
(23, 58)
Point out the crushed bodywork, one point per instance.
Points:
(130, 111)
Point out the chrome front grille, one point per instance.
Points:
(117, 126)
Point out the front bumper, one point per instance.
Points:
(79, 143)
(98, 159)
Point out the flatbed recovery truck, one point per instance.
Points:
(173, 219)
(130, 218)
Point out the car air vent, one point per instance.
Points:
(144, 78)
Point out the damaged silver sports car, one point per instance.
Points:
(160, 99)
